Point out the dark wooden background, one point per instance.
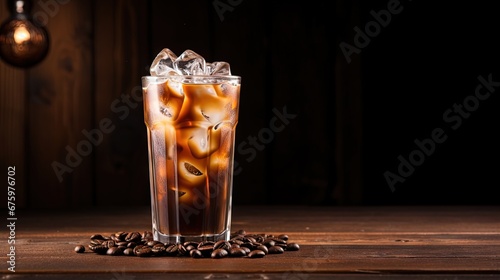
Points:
(352, 120)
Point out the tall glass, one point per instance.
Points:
(191, 122)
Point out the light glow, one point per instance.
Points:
(21, 35)
(20, 6)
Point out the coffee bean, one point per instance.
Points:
(279, 240)
(153, 242)
(99, 249)
(282, 245)
(129, 252)
(222, 244)
(206, 250)
(237, 241)
(114, 251)
(237, 252)
(121, 243)
(96, 241)
(143, 252)
(283, 237)
(97, 236)
(206, 243)
(241, 244)
(268, 242)
(236, 238)
(249, 239)
(147, 236)
(219, 253)
(118, 236)
(158, 249)
(172, 250)
(137, 248)
(276, 250)
(196, 253)
(190, 243)
(259, 238)
(133, 237)
(80, 249)
(257, 244)
(247, 245)
(292, 247)
(256, 254)
(246, 249)
(262, 248)
(109, 243)
(181, 250)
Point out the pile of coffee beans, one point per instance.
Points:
(241, 244)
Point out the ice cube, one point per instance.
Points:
(166, 111)
(197, 140)
(191, 171)
(153, 106)
(182, 193)
(163, 64)
(218, 68)
(220, 159)
(203, 104)
(226, 90)
(190, 63)
(171, 98)
(203, 143)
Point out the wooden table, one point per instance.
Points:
(336, 242)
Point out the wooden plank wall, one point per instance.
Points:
(121, 52)
(84, 114)
(348, 129)
(13, 125)
(60, 107)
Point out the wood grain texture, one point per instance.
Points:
(13, 127)
(348, 102)
(334, 152)
(13, 123)
(60, 94)
(91, 78)
(414, 242)
(120, 44)
(243, 42)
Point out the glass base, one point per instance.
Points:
(173, 239)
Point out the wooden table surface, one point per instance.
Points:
(417, 242)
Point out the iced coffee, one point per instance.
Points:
(191, 112)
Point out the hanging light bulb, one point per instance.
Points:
(23, 43)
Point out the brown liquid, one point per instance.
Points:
(191, 135)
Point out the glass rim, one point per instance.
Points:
(192, 79)
(193, 76)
